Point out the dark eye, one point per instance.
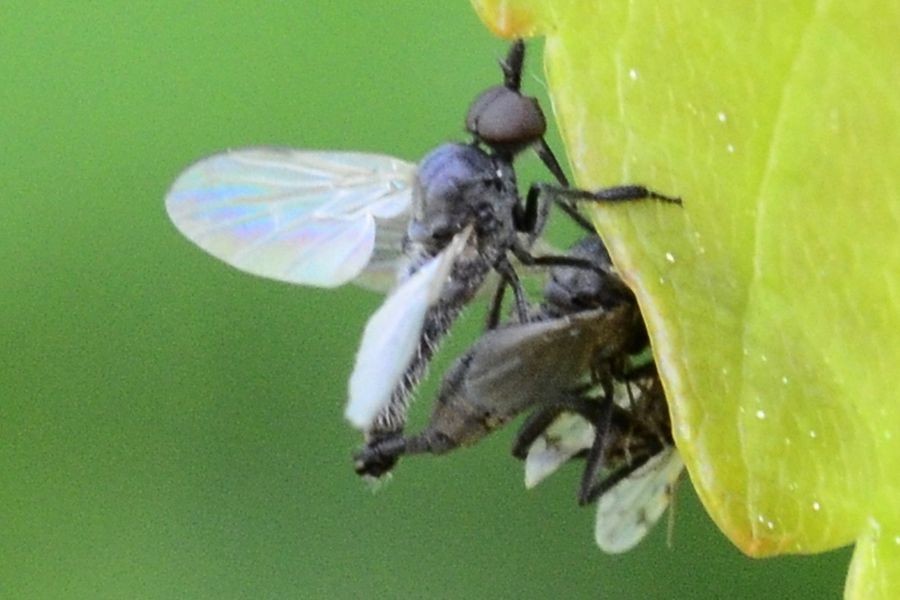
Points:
(505, 119)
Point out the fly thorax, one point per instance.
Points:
(453, 185)
(493, 209)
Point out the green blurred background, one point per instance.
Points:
(171, 428)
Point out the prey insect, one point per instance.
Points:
(430, 233)
(573, 363)
(631, 464)
(617, 419)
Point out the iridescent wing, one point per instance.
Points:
(628, 510)
(392, 335)
(312, 218)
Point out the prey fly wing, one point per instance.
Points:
(637, 471)
(307, 217)
(627, 511)
(568, 435)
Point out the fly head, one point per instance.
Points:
(507, 121)
(501, 117)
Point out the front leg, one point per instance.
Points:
(618, 193)
(535, 198)
(530, 218)
(566, 197)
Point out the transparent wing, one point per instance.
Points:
(627, 512)
(568, 435)
(392, 335)
(313, 218)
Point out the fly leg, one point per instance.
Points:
(593, 488)
(509, 276)
(566, 197)
(531, 218)
(493, 318)
(535, 204)
(450, 426)
(597, 455)
(618, 193)
(599, 414)
(638, 445)
(526, 258)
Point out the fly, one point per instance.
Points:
(429, 233)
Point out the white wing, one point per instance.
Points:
(627, 512)
(568, 435)
(314, 218)
(392, 335)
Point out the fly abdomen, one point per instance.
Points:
(466, 278)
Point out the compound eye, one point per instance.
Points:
(506, 120)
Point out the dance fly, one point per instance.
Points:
(429, 234)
